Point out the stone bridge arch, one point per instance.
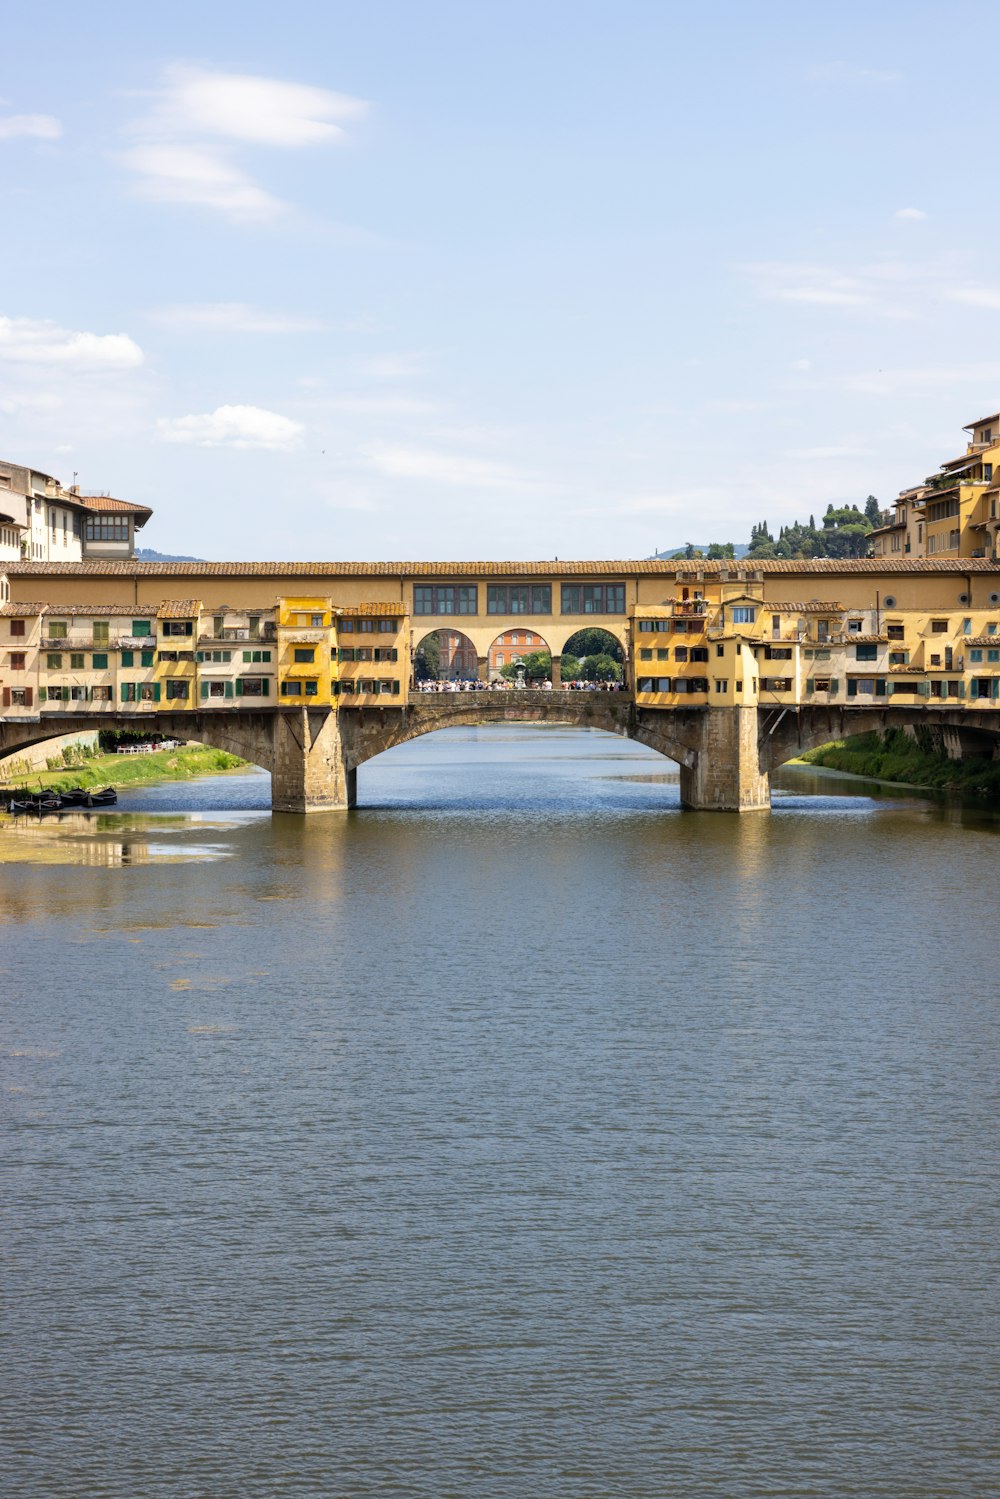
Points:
(251, 736)
(954, 732)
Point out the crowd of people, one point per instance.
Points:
(506, 684)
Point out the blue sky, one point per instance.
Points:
(415, 279)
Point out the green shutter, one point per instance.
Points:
(239, 686)
(852, 687)
(810, 684)
(128, 658)
(204, 689)
(229, 688)
(880, 687)
(961, 689)
(265, 687)
(42, 694)
(834, 686)
(156, 692)
(923, 689)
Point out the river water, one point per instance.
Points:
(516, 1135)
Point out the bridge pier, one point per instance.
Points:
(726, 774)
(310, 773)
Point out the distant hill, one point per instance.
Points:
(146, 554)
(740, 548)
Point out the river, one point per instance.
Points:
(518, 1136)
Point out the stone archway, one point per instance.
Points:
(518, 642)
(445, 655)
(598, 648)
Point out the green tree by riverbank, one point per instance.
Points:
(903, 760)
(181, 764)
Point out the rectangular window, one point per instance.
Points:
(446, 599)
(721, 686)
(141, 628)
(105, 528)
(128, 658)
(662, 654)
(743, 614)
(899, 658)
(252, 687)
(17, 660)
(101, 632)
(58, 629)
(975, 656)
(854, 626)
(388, 626)
(54, 663)
(100, 661)
(519, 598)
(645, 655)
(76, 662)
(146, 658)
(895, 632)
(178, 627)
(366, 626)
(939, 626)
(593, 598)
(177, 690)
(255, 657)
(866, 652)
(680, 653)
(17, 627)
(291, 689)
(305, 654)
(966, 626)
(699, 653)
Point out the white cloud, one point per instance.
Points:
(394, 366)
(41, 127)
(30, 341)
(886, 382)
(232, 427)
(910, 215)
(201, 176)
(976, 296)
(801, 364)
(230, 317)
(815, 454)
(825, 286)
(845, 72)
(184, 142)
(444, 468)
(248, 108)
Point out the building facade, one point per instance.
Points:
(954, 513)
(41, 521)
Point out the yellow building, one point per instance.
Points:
(374, 654)
(176, 674)
(954, 513)
(307, 650)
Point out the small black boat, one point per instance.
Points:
(21, 802)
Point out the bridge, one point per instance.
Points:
(725, 755)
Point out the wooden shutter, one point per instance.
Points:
(229, 688)
(204, 689)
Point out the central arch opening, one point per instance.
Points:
(593, 655)
(445, 656)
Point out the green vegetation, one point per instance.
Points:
(89, 770)
(536, 665)
(897, 757)
(592, 641)
(844, 533)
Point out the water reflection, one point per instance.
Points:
(517, 1135)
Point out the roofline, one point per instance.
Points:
(994, 418)
(615, 569)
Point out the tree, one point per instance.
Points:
(593, 642)
(536, 665)
(569, 668)
(721, 551)
(427, 659)
(873, 510)
(601, 668)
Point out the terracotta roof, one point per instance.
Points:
(620, 570)
(133, 611)
(814, 606)
(397, 609)
(179, 609)
(104, 503)
(990, 640)
(21, 611)
(982, 421)
(863, 639)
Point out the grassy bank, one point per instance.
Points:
(129, 770)
(898, 758)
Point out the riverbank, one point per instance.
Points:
(900, 760)
(181, 764)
